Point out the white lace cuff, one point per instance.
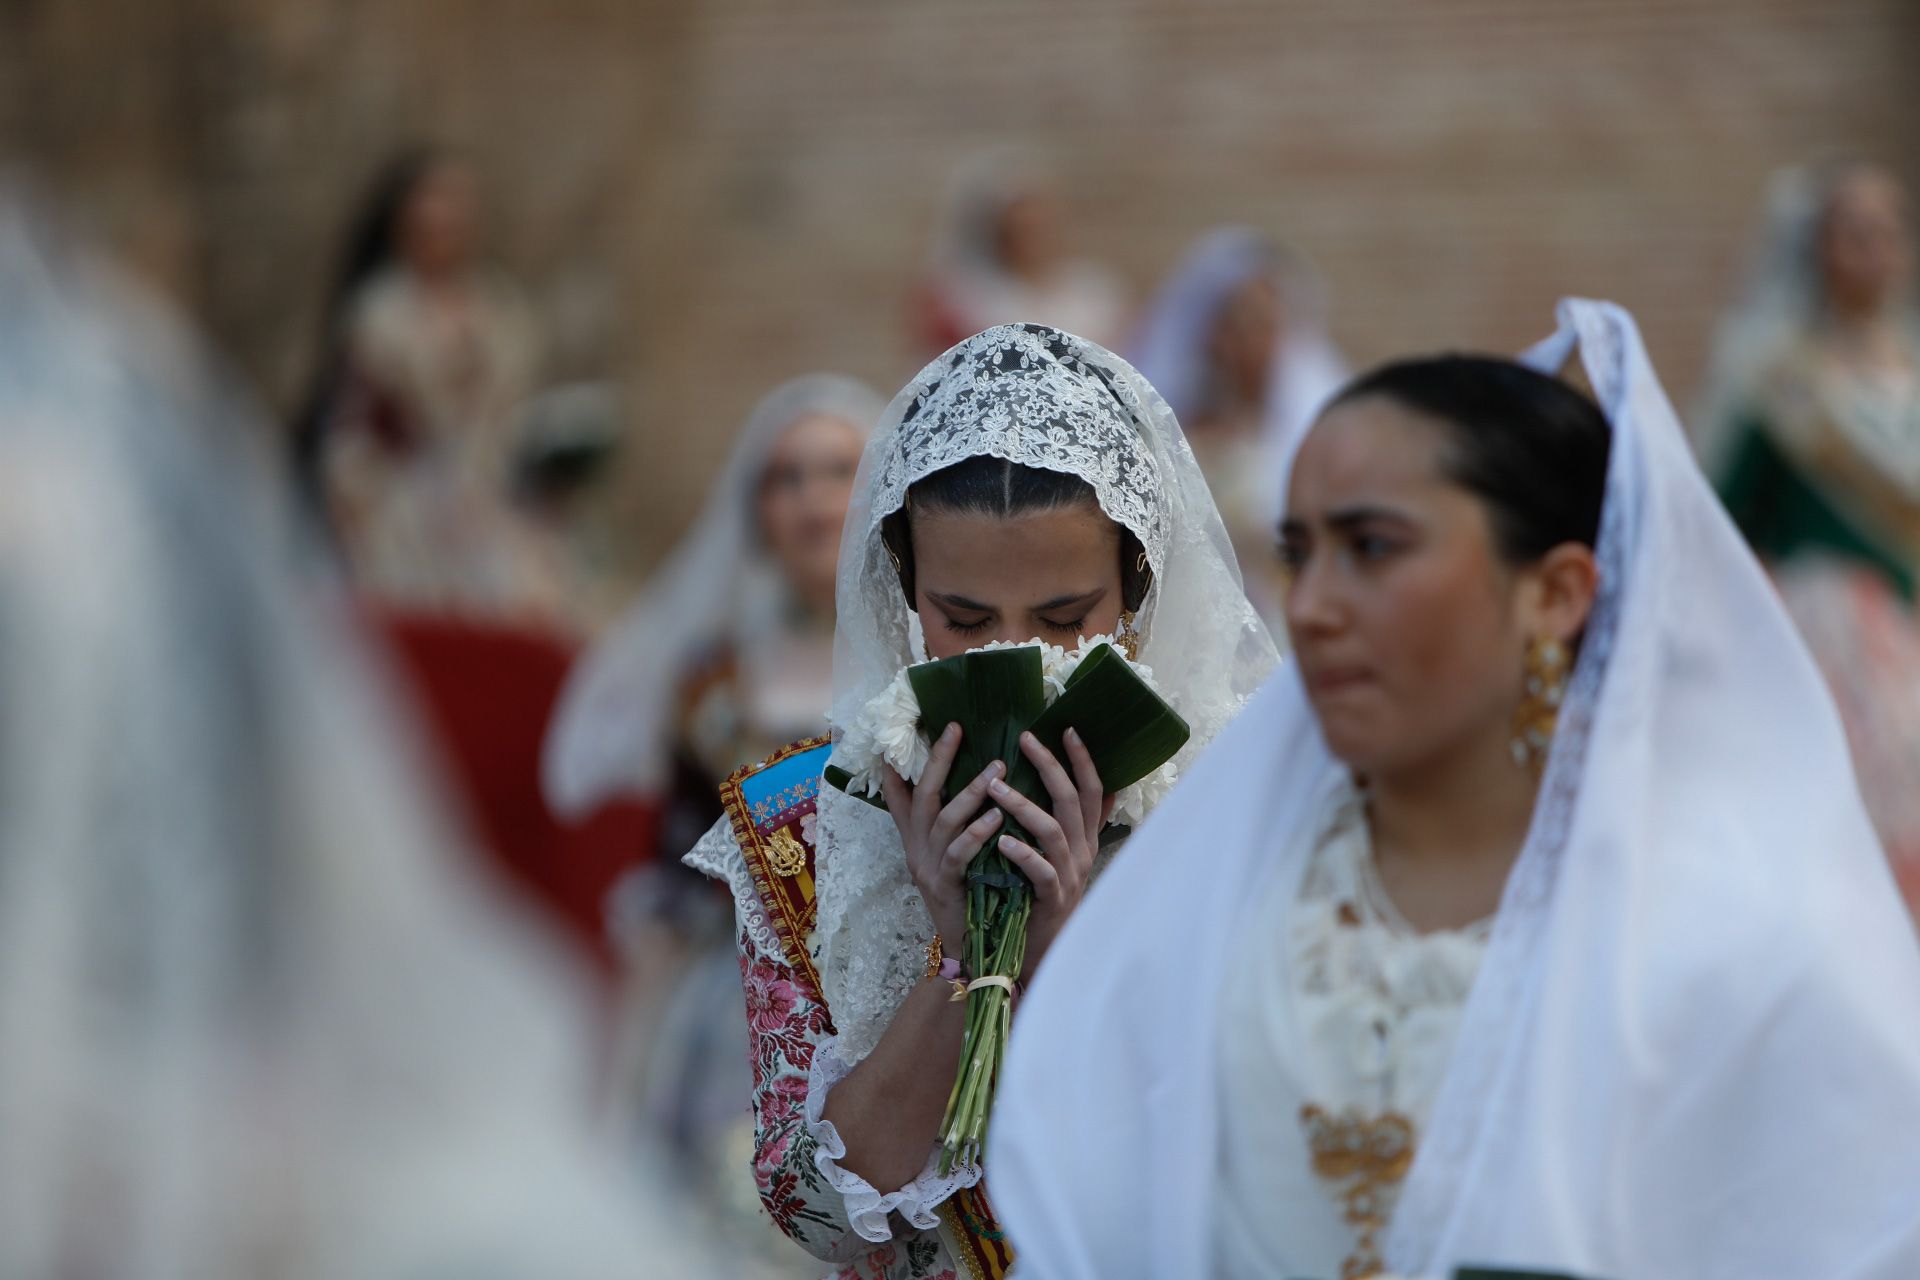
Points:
(867, 1209)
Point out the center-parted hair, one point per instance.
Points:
(989, 486)
(1528, 445)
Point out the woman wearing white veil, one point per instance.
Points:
(727, 655)
(1002, 254)
(1685, 1047)
(260, 1017)
(727, 589)
(1237, 342)
(1026, 484)
(1811, 430)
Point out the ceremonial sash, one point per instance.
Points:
(769, 805)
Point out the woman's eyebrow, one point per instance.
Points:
(1069, 602)
(958, 602)
(1346, 519)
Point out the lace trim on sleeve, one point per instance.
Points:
(867, 1209)
(717, 855)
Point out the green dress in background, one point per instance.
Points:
(1823, 478)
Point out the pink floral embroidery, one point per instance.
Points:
(782, 1100)
(770, 999)
(769, 1155)
(807, 823)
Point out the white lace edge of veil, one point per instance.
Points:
(1043, 398)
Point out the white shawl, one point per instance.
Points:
(1694, 1048)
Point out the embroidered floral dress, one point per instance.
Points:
(823, 1207)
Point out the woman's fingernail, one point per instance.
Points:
(997, 768)
(1073, 736)
(951, 731)
(999, 788)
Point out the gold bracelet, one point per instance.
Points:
(936, 956)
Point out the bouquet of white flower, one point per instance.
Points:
(995, 694)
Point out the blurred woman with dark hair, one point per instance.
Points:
(409, 432)
(1529, 919)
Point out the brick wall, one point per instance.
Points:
(713, 196)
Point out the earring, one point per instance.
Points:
(1548, 665)
(1126, 636)
(892, 556)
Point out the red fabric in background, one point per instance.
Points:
(486, 691)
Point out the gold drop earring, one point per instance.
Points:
(1547, 668)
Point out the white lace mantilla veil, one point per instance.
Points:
(612, 731)
(1046, 399)
(1693, 1050)
(259, 1018)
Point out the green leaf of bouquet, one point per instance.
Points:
(1128, 729)
(992, 695)
(839, 778)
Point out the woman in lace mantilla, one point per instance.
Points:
(1028, 484)
(1542, 924)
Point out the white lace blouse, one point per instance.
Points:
(1338, 1022)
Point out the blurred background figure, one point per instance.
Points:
(1237, 341)
(1005, 253)
(453, 491)
(1812, 427)
(726, 656)
(262, 1018)
(429, 359)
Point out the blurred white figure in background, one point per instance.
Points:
(1004, 254)
(260, 1018)
(728, 652)
(726, 656)
(1811, 430)
(1237, 341)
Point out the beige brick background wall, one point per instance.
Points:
(706, 197)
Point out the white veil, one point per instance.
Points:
(1046, 399)
(258, 1018)
(1171, 348)
(1780, 299)
(611, 733)
(1693, 1051)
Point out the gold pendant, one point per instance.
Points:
(1363, 1160)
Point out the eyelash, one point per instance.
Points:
(973, 628)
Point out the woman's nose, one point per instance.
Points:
(1310, 601)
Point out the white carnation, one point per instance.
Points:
(895, 719)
